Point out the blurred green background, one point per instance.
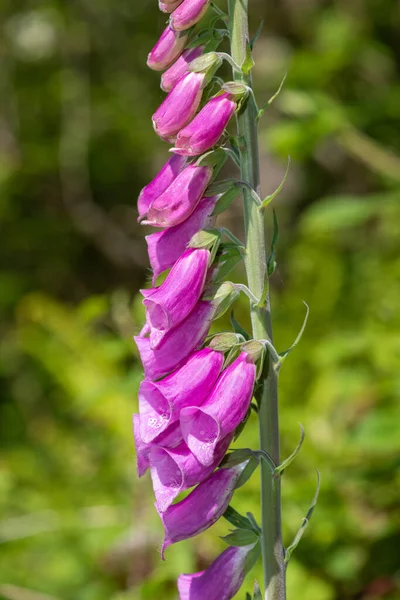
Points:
(76, 146)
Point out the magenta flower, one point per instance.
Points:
(170, 303)
(176, 469)
(167, 49)
(180, 68)
(170, 438)
(188, 13)
(221, 581)
(202, 508)
(161, 402)
(178, 343)
(222, 412)
(179, 107)
(206, 128)
(180, 199)
(168, 7)
(165, 247)
(159, 184)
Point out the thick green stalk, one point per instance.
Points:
(257, 277)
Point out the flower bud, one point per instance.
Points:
(180, 199)
(159, 184)
(225, 408)
(180, 106)
(206, 128)
(161, 402)
(166, 246)
(202, 508)
(167, 49)
(177, 344)
(181, 67)
(223, 578)
(188, 13)
(176, 469)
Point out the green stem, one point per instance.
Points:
(257, 277)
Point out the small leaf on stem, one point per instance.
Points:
(268, 199)
(240, 537)
(283, 355)
(238, 328)
(248, 62)
(306, 520)
(279, 470)
(270, 101)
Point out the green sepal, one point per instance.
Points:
(248, 62)
(222, 297)
(240, 537)
(236, 457)
(223, 342)
(219, 187)
(225, 200)
(204, 62)
(253, 556)
(227, 261)
(254, 349)
(238, 520)
(232, 355)
(247, 471)
(235, 89)
(205, 238)
(238, 328)
(211, 158)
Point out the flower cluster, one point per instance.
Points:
(193, 398)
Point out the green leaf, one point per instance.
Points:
(268, 199)
(225, 200)
(238, 520)
(238, 328)
(219, 187)
(270, 101)
(248, 62)
(279, 470)
(236, 457)
(228, 261)
(283, 355)
(257, 592)
(306, 520)
(274, 243)
(211, 158)
(222, 297)
(240, 537)
(248, 471)
(232, 355)
(257, 34)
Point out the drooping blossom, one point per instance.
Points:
(165, 247)
(160, 183)
(223, 578)
(180, 68)
(180, 106)
(169, 438)
(168, 48)
(223, 411)
(201, 508)
(178, 343)
(176, 469)
(188, 13)
(160, 402)
(207, 127)
(171, 302)
(180, 199)
(169, 7)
